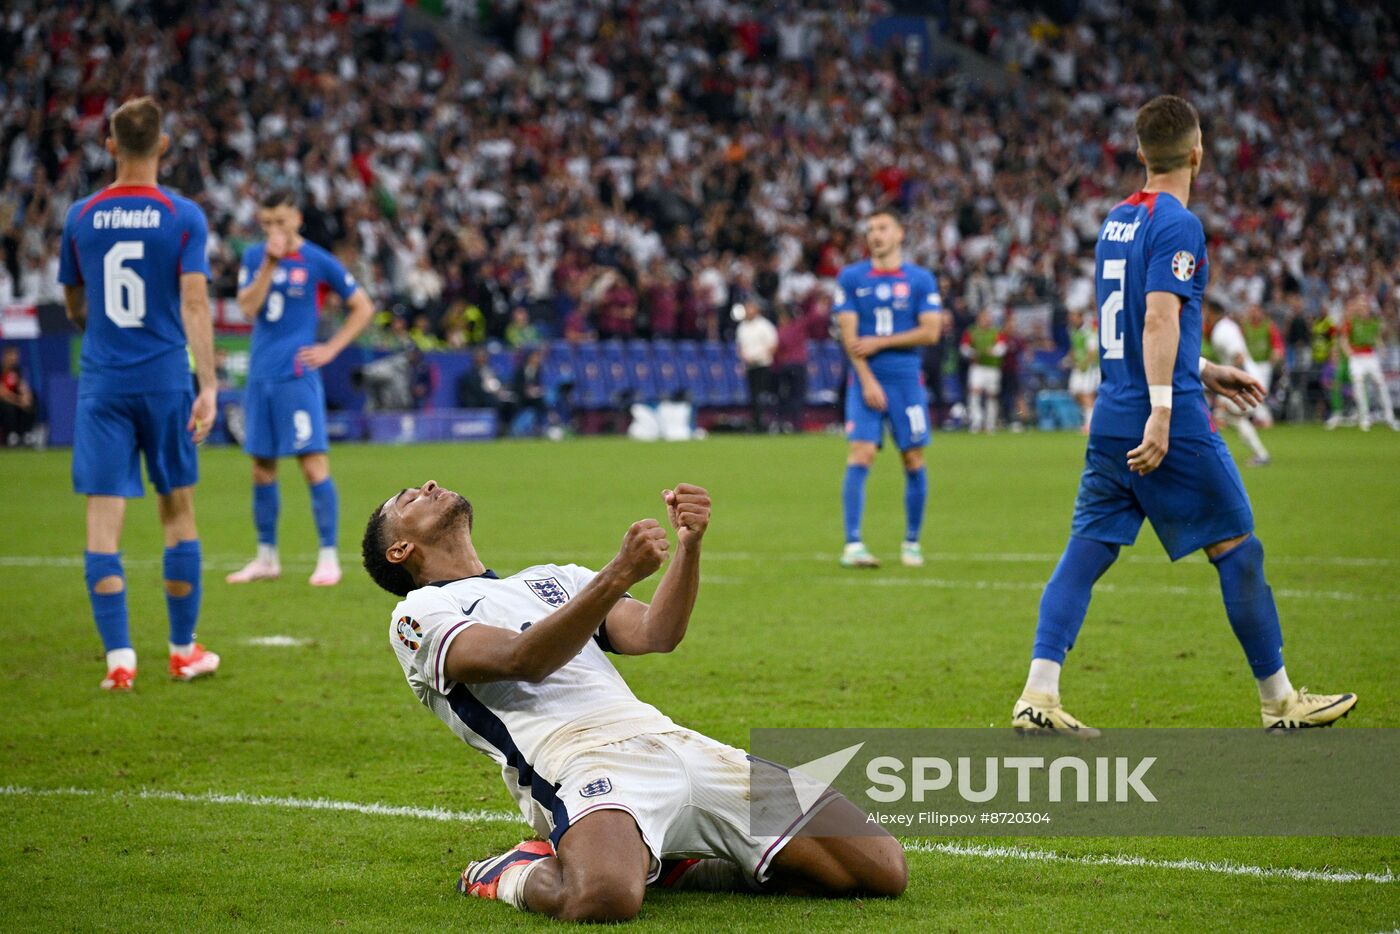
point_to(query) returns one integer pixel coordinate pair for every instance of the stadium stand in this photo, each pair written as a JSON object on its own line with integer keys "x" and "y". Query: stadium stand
{"x": 632, "y": 170}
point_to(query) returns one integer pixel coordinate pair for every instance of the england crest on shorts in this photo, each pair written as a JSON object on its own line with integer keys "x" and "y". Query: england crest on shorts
{"x": 550, "y": 591}
{"x": 599, "y": 786}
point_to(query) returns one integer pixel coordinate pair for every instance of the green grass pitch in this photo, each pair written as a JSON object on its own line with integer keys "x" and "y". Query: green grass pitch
{"x": 781, "y": 637}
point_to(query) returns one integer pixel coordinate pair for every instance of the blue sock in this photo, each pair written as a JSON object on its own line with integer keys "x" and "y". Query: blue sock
{"x": 108, "y": 609}
{"x": 325, "y": 506}
{"x": 1066, "y": 597}
{"x": 915, "y": 494}
{"x": 182, "y": 564}
{"x": 267, "y": 502}
{"x": 853, "y": 499}
{"x": 1249, "y": 603}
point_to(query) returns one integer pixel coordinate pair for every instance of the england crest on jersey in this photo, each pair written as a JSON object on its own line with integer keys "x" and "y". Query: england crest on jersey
{"x": 599, "y": 786}
{"x": 550, "y": 591}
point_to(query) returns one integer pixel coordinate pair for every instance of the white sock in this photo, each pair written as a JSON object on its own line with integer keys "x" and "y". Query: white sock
{"x": 328, "y": 555}
{"x": 267, "y": 553}
{"x": 974, "y": 406}
{"x": 1275, "y": 687}
{"x": 180, "y": 649}
{"x": 121, "y": 658}
{"x": 1044, "y": 677}
{"x": 993, "y": 411}
{"x": 511, "y": 884}
{"x": 1251, "y": 437}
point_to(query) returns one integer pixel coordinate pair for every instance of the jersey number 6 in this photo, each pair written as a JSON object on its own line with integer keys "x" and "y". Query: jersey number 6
{"x": 123, "y": 291}
{"x": 1110, "y": 329}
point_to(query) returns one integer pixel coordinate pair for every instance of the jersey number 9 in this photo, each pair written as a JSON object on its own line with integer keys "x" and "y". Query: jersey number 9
{"x": 123, "y": 291}
{"x": 276, "y": 302}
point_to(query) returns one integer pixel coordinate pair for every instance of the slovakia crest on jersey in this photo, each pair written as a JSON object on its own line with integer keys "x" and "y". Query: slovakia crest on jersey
{"x": 1183, "y": 265}
{"x": 550, "y": 591}
{"x": 298, "y": 276}
{"x": 901, "y": 290}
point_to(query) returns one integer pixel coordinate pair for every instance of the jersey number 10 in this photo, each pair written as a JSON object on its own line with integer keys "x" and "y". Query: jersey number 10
{"x": 123, "y": 291}
{"x": 1110, "y": 328}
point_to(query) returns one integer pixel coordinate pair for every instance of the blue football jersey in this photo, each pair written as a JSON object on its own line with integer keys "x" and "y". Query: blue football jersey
{"x": 128, "y": 246}
{"x": 286, "y": 322}
{"x": 1149, "y": 243}
{"x": 888, "y": 301}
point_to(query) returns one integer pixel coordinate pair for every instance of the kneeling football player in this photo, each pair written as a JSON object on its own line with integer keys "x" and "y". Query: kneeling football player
{"x": 620, "y": 795}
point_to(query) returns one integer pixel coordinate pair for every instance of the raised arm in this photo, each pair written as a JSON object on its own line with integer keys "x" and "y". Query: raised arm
{"x": 251, "y": 296}
{"x": 485, "y": 653}
{"x": 636, "y": 628}
{"x": 199, "y": 334}
{"x": 1160, "y": 336}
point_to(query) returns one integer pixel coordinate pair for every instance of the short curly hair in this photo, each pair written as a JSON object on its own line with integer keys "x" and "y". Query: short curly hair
{"x": 392, "y": 577}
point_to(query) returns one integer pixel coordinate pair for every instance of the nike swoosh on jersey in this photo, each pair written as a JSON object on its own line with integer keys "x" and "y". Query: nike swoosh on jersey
{"x": 468, "y": 610}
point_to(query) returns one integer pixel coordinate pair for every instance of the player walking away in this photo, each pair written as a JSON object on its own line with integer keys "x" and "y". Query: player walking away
{"x": 1227, "y": 344}
{"x": 1152, "y": 451}
{"x": 1264, "y": 343}
{"x": 1083, "y": 363}
{"x": 983, "y": 345}
{"x": 887, "y": 310}
{"x": 1362, "y": 344}
{"x": 280, "y": 287}
{"x": 517, "y": 669}
{"x": 136, "y": 283}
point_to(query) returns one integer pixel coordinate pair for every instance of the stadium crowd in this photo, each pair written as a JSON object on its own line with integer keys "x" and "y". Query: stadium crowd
{"x": 608, "y": 169}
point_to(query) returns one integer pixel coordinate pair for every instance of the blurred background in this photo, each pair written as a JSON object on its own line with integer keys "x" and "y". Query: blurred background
{"x": 562, "y": 210}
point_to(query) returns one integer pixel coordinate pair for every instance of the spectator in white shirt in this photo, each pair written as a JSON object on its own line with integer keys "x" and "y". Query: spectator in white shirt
{"x": 756, "y": 340}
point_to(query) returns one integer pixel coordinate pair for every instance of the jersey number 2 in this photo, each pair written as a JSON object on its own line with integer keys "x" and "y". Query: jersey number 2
{"x": 1110, "y": 328}
{"x": 123, "y": 291}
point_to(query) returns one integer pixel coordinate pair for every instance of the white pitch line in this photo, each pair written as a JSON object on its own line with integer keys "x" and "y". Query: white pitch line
{"x": 1219, "y": 867}
{"x": 940, "y": 583}
{"x": 236, "y": 561}
{"x": 280, "y": 642}
{"x": 864, "y": 579}
{"x": 310, "y": 804}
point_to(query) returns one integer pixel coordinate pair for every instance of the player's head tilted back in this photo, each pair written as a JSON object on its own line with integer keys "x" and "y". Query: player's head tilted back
{"x": 883, "y": 234}
{"x": 423, "y": 533}
{"x": 280, "y": 211}
{"x": 135, "y": 131}
{"x": 1169, "y": 136}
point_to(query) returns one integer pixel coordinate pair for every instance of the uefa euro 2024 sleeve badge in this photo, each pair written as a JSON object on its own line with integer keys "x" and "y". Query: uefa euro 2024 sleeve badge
{"x": 409, "y": 632}
{"x": 1183, "y": 265}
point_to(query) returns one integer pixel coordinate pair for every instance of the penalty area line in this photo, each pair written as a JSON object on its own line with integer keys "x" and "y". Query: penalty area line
{"x": 445, "y": 815}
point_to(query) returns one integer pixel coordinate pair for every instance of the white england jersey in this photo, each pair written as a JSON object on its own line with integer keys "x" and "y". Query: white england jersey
{"x": 530, "y": 730}
{"x": 1228, "y": 341}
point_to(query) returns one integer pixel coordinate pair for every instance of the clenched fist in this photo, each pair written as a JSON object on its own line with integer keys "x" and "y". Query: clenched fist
{"x": 644, "y": 549}
{"x": 688, "y": 508}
